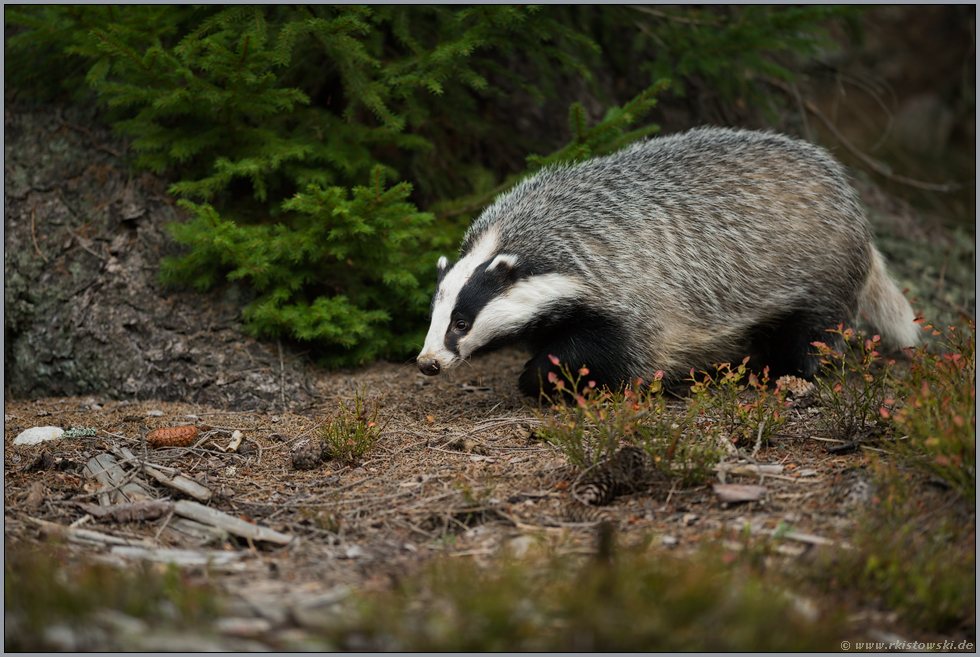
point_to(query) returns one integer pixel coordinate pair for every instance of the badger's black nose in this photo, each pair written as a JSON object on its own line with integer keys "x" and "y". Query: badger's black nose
{"x": 428, "y": 365}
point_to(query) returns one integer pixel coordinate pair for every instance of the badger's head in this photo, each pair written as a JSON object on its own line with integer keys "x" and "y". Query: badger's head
{"x": 486, "y": 300}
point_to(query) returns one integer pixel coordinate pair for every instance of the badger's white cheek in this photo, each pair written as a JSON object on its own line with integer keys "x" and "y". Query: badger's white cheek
{"x": 466, "y": 347}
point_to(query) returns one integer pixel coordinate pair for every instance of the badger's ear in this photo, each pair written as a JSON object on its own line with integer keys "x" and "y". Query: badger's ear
{"x": 442, "y": 266}
{"x": 504, "y": 264}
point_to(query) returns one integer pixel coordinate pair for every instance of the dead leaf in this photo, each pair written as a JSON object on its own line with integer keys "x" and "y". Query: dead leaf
{"x": 35, "y": 495}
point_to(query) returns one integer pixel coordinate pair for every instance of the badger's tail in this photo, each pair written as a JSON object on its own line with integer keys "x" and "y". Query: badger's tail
{"x": 886, "y": 307}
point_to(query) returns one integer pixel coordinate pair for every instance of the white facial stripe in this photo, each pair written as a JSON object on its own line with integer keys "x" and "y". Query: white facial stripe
{"x": 513, "y": 310}
{"x": 446, "y": 295}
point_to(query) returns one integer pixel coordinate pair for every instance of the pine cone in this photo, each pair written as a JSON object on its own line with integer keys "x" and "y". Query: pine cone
{"x": 626, "y": 471}
{"x": 307, "y": 453}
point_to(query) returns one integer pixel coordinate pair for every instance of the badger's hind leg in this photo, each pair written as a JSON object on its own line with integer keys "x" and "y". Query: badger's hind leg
{"x": 786, "y": 345}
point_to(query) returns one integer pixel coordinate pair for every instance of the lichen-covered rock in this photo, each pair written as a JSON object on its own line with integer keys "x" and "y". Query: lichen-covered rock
{"x": 37, "y": 435}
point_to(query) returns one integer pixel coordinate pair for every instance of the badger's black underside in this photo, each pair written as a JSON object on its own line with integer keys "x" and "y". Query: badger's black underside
{"x": 584, "y": 337}
{"x": 577, "y": 336}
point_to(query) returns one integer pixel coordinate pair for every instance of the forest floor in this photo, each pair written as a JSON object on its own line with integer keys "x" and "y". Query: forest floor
{"x": 456, "y": 474}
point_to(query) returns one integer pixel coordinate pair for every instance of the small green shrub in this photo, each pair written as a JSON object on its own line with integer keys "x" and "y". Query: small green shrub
{"x": 853, "y": 383}
{"x": 741, "y": 402}
{"x": 590, "y": 426}
{"x": 675, "y": 438}
{"x": 355, "y": 429}
{"x": 939, "y": 411}
{"x": 359, "y": 244}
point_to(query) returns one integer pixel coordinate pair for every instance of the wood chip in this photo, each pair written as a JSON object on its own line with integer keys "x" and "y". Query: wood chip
{"x": 190, "y": 533}
{"x": 175, "y": 480}
{"x": 739, "y": 492}
{"x": 35, "y": 495}
{"x": 755, "y": 469}
{"x": 109, "y": 474}
{"x": 236, "y": 441}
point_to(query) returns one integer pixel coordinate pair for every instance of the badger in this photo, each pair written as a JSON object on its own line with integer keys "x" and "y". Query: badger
{"x": 673, "y": 254}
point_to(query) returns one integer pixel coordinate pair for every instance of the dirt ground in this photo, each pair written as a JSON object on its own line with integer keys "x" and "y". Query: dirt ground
{"x": 418, "y": 494}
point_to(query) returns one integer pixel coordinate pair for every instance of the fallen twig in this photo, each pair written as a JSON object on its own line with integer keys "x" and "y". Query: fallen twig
{"x": 112, "y": 479}
{"x": 130, "y": 511}
{"x": 231, "y": 524}
{"x": 160, "y": 473}
{"x": 87, "y": 536}
{"x": 739, "y": 492}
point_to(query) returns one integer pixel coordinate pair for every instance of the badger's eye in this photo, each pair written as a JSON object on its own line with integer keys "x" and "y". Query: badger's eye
{"x": 461, "y": 326}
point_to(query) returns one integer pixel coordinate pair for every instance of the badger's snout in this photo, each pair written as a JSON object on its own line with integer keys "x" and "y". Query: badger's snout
{"x": 428, "y": 365}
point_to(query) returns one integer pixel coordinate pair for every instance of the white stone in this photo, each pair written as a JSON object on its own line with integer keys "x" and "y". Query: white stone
{"x": 36, "y": 435}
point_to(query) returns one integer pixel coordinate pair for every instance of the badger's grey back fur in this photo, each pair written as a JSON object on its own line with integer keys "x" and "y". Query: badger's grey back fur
{"x": 673, "y": 253}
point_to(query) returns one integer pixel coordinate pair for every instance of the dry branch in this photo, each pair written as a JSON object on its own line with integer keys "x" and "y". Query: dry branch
{"x": 231, "y": 524}
{"x": 129, "y": 512}
{"x": 179, "y": 557}
{"x": 84, "y": 536}
{"x": 176, "y": 480}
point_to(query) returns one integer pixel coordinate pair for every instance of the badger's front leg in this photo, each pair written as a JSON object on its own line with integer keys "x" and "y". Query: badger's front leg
{"x": 582, "y": 339}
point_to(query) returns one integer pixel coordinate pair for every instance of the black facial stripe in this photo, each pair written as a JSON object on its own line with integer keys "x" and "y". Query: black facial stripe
{"x": 478, "y": 291}
{"x": 481, "y": 288}
{"x": 452, "y": 342}
{"x": 485, "y": 284}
